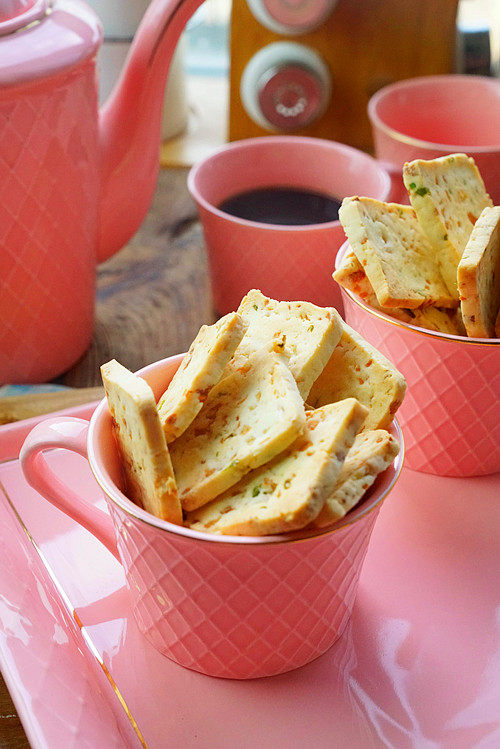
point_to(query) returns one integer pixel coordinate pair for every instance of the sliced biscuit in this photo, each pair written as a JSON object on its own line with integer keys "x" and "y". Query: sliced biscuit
{"x": 307, "y": 333}
{"x": 289, "y": 492}
{"x": 370, "y": 454}
{"x": 448, "y": 195}
{"x": 357, "y": 370}
{"x": 459, "y": 322}
{"x": 441, "y": 320}
{"x": 479, "y": 276}
{"x": 395, "y": 254}
{"x": 200, "y": 370}
{"x": 145, "y": 457}
{"x": 352, "y": 277}
{"x": 248, "y": 418}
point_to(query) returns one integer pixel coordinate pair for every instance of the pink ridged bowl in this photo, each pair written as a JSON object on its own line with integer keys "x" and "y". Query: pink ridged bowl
{"x": 228, "y": 606}
{"x": 451, "y": 412}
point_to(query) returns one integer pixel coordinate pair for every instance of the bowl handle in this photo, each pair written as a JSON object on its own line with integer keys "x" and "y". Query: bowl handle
{"x": 70, "y": 434}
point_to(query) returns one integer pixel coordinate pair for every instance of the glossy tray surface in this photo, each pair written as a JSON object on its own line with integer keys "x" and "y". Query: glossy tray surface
{"x": 418, "y": 666}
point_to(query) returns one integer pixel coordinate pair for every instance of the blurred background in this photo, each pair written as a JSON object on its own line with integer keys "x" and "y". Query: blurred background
{"x": 206, "y": 101}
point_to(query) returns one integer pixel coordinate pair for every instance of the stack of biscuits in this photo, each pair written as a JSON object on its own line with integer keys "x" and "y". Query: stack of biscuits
{"x": 434, "y": 264}
{"x": 276, "y": 420}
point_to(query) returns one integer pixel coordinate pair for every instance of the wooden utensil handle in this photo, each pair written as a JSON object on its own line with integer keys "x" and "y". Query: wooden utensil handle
{"x": 19, "y": 407}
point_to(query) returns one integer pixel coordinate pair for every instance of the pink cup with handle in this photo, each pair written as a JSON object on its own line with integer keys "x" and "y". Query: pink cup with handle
{"x": 451, "y": 412}
{"x": 424, "y": 118}
{"x": 285, "y": 262}
{"x": 228, "y": 606}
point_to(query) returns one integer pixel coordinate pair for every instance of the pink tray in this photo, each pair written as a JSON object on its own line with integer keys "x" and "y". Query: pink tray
{"x": 418, "y": 665}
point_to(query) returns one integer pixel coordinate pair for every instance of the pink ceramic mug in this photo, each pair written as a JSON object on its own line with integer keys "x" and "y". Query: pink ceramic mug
{"x": 451, "y": 412}
{"x": 285, "y": 262}
{"x": 424, "y": 118}
{"x": 236, "y": 607}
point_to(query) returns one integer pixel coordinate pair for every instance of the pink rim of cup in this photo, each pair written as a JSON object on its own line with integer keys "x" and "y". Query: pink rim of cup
{"x": 431, "y": 116}
{"x": 285, "y": 262}
{"x": 451, "y": 413}
{"x": 409, "y": 88}
{"x": 234, "y": 607}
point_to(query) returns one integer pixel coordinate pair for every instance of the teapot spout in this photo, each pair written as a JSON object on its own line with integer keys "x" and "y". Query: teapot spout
{"x": 130, "y": 125}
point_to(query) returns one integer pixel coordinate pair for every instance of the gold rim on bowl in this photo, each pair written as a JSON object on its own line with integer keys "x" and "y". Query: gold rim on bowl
{"x": 409, "y": 140}
{"x": 489, "y": 342}
{"x": 116, "y": 496}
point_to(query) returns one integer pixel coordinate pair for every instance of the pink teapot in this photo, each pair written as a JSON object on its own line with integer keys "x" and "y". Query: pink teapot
{"x": 75, "y": 183}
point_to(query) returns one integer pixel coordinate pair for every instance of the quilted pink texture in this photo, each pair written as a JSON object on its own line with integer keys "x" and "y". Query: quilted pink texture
{"x": 48, "y": 225}
{"x": 239, "y": 611}
{"x": 235, "y": 607}
{"x": 451, "y": 413}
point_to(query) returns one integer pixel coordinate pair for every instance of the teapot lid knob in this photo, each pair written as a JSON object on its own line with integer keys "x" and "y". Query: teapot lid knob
{"x": 16, "y": 14}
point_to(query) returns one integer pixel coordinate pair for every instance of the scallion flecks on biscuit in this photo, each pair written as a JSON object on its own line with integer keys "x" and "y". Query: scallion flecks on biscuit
{"x": 199, "y": 371}
{"x": 448, "y": 195}
{"x": 395, "y": 254}
{"x": 479, "y": 276}
{"x": 289, "y": 492}
{"x": 139, "y": 435}
{"x": 248, "y": 417}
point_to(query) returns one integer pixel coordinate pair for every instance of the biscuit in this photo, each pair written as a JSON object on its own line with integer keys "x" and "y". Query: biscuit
{"x": 199, "y": 371}
{"x": 432, "y": 318}
{"x": 248, "y": 417}
{"x": 289, "y": 492}
{"x": 139, "y": 435}
{"x": 395, "y": 254}
{"x": 459, "y": 322}
{"x": 448, "y": 195}
{"x": 306, "y": 332}
{"x": 357, "y": 370}
{"x": 369, "y": 455}
{"x": 351, "y": 276}
{"x": 479, "y": 276}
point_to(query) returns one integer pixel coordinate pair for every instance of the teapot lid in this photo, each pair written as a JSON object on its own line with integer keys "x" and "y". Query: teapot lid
{"x": 39, "y": 38}
{"x": 16, "y": 14}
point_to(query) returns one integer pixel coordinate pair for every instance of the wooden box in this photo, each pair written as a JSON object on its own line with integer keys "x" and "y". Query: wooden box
{"x": 366, "y": 44}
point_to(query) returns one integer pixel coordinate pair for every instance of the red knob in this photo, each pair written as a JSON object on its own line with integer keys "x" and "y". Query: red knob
{"x": 291, "y": 96}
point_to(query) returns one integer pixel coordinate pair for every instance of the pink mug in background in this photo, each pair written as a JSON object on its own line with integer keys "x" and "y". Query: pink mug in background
{"x": 229, "y": 606}
{"x": 424, "y": 118}
{"x": 284, "y": 262}
{"x": 451, "y": 412}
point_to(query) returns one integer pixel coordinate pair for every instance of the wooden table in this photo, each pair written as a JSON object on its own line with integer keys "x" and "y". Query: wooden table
{"x": 152, "y": 299}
